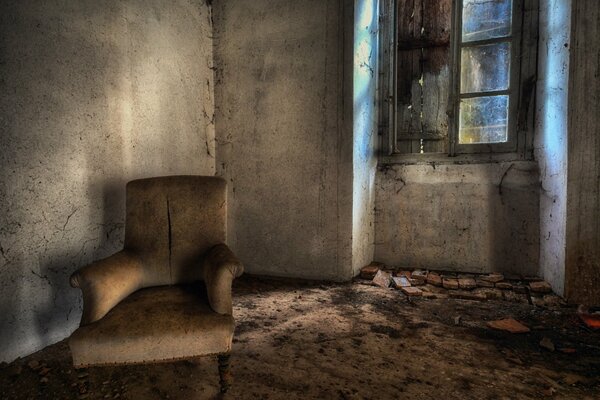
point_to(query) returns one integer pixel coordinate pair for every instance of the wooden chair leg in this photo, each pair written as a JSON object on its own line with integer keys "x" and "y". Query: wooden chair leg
{"x": 225, "y": 372}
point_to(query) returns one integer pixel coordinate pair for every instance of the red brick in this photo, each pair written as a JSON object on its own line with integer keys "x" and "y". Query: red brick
{"x": 493, "y": 277}
{"x": 482, "y": 283}
{"x": 467, "y": 283}
{"x": 434, "y": 279}
{"x": 369, "y": 271}
{"x": 382, "y": 279}
{"x": 450, "y": 283}
{"x": 510, "y": 325}
{"x": 540, "y": 287}
{"x": 412, "y": 291}
{"x": 504, "y": 285}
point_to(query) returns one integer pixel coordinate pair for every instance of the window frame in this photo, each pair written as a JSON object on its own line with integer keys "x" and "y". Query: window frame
{"x": 523, "y": 39}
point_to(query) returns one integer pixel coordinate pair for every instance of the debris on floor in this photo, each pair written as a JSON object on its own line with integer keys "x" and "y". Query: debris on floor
{"x": 360, "y": 340}
{"x": 369, "y": 271}
{"x": 411, "y": 291}
{"x": 547, "y": 344}
{"x": 382, "y": 279}
{"x": 463, "y": 286}
{"x": 401, "y": 281}
{"x": 591, "y": 318}
{"x": 510, "y": 325}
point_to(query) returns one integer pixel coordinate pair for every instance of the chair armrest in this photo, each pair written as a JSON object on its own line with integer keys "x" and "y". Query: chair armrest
{"x": 106, "y": 282}
{"x": 221, "y": 267}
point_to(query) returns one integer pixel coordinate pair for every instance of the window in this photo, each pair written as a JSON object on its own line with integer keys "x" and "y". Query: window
{"x": 458, "y": 78}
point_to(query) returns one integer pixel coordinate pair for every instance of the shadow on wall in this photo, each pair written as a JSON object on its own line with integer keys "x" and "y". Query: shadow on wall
{"x": 58, "y": 143}
{"x": 513, "y": 223}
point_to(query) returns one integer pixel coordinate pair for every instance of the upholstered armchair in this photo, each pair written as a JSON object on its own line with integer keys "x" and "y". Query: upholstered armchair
{"x": 167, "y": 294}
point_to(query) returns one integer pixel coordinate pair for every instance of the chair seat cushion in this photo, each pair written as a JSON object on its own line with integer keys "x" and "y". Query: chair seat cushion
{"x": 154, "y": 324}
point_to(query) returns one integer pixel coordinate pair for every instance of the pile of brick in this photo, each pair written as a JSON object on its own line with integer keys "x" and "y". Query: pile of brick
{"x": 467, "y": 286}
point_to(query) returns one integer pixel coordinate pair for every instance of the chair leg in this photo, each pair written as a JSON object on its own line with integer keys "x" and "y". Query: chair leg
{"x": 225, "y": 372}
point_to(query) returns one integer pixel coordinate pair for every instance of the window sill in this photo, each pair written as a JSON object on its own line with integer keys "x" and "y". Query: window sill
{"x": 445, "y": 159}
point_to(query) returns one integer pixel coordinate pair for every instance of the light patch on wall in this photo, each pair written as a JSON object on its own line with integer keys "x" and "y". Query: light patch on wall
{"x": 364, "y": 129}
{"x": 365, "y": 73}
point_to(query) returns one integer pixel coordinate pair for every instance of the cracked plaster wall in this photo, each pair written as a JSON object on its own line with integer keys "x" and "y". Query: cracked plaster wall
{"x": 93, "y": 94}
{"x": 471, "y": 218}
{"x": 551, "y": 137}
{"x": 284, "y": 142}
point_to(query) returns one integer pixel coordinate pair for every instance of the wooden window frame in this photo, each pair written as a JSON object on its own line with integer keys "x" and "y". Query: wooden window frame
{"x": 521, "y": 91}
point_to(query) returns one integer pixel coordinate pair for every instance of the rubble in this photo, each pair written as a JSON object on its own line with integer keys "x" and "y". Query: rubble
{"x": 412, "y": 291}
{"x": 546, "y": 343}
{"x": 493, "y": 278}
{"x": 467, "y": 283}
{"x": 34, "y": 365}
{"x": 540, "y": 287}
{"x": 401, "y": 281}
{"x": 420, "y": 275}
{"x": 434, "y": 279}
{"x": 504, "y": 285}
{"x": 589, "y": 318}
{"x": 509, "y": 325}
{"x": 483, "y": 283}
{"x": 491, "y": 286}
{"x": 369, "y": 271}
{"x": 450, "y": 283}
{"x": 467, "y": 296}
{"x": 382, "y": 279}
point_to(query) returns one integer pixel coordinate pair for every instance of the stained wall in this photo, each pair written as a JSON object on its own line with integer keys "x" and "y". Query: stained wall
{"x": 93, "y": 94}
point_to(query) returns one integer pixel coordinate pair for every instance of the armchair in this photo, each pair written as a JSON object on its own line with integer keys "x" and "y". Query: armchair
{"x": 145, "y": 304}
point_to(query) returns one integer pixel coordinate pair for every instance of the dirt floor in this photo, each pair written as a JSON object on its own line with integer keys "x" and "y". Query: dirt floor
{"x": 349, "y": 341}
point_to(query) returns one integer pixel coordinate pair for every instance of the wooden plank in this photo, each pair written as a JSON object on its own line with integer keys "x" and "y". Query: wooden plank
{"x": 423, "y": 74}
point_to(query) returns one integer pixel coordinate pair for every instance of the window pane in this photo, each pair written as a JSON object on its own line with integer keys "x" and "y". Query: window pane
{"x": 485, "y": 68}
{"x": 483, "y": 120}
{"x": 486, "y": 19}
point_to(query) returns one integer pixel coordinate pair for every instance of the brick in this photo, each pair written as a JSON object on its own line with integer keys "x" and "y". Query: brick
{"x": 416, "y": 282}
{"x": 504, "y": 285}
{"x": 552, "y": 300}
{"x": 412, "y": 291}
{"x": 369, "y": 271}
{"x": 482, "y": 283}
{"x": 467, "y": 296}
{"x": 450, "y": 283}
{"x": 540, "y": 287}
{"x": 509, "y": 325}
{"x": 382, "y": 279}
{"x": 490, "y": 293}
{"x": 494, "y": 277}
{"x": 515, "y": 297}
{"x": 401, "y": 281}
{"x": 404, "y": 273}
{"x": 519, "y": 288}
{"x": 434, "y": 279}
{"x": 419, "y": 274}
{"x": 467, "y": 283}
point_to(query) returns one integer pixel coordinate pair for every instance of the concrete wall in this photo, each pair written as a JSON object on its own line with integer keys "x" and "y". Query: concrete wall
{"x": 551, "y": 136}
{"x": 366, "y": 121}
{"x": 477, "y": 218}
{"x": 582, "y": 283}
{"x": 93, "y": 95}
{"x": 283, "y": 139}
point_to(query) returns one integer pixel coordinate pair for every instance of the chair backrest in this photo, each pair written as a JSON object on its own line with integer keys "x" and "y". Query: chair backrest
{"x": 171, "y": 222}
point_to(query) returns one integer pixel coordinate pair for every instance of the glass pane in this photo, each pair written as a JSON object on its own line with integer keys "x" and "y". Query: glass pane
{"x": 483, "y": 120}
{"x": 485, "y": 68}
{"x": 486, "y": 19}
